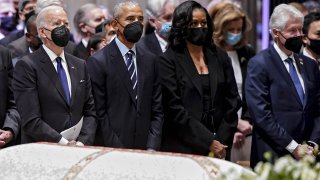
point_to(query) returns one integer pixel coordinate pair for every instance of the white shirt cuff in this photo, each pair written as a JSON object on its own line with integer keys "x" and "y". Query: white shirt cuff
{"x": 78, "y": 143}
{"x": 63, "y": 141}
{"x": 292, "y": 146}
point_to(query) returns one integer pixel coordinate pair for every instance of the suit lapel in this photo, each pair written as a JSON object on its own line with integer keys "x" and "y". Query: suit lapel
{"x": 73, "y": 77}
{"x": 48, "y": 68}
{"x": 142, "y": 73}
{"x": 284, "y": 72}
{"x": 190, "y": 69}
{"x": 121, "y": 69}
{"x": 211, "y": 59}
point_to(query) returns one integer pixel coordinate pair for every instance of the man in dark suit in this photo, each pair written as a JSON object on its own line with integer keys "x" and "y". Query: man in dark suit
{"x": 160, "y": 16}
{"x": 126, "y": 86}
{"x": 9, "y": 117}
{"x": 52, "y": 88}
{"x": 283, "y": 92}
{"x": 86, "y": 19}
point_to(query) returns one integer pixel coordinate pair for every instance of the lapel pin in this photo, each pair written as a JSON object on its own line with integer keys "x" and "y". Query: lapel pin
{"x": 301, "y": 61}
{"x": 243, "y": 60}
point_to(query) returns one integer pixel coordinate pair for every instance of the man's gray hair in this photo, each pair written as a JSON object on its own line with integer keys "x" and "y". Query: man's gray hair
{"x": 118, "y": 9}
{"x": 42, "y": 20}
{"x": 156, "y": 7}
{"x": 281, "y": 15}
{"x": 41, "y": 4}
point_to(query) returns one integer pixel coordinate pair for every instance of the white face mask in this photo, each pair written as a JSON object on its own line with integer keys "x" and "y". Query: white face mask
{"x": 233, "y": 39}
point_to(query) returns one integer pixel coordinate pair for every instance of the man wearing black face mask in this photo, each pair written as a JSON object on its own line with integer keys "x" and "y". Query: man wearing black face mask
{"x": 126, "y": 86}
{"x": 52, "y": 88}
{"x": 311, "y": 39}
{"x": 283, "y": 92}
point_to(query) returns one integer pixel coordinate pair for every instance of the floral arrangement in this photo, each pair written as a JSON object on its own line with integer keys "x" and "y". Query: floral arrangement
{"x": 284, "y": 168}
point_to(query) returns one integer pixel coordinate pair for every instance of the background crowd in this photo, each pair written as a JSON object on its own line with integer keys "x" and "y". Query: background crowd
{"x": 175, "y": 77}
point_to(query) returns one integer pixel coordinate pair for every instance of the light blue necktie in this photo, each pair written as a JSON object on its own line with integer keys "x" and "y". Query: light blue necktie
{"x": 63, "y": 79}
{"x": 294, "y": 76}
{"x": 132, "y": 71}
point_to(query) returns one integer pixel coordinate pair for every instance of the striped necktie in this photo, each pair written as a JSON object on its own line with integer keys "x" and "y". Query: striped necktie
{"x": 132, "y": 71}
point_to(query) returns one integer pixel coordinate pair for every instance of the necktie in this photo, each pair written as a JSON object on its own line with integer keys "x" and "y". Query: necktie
{"x": 63, "y": 79}
{"x": 294, "y": 76}
{"x": 132, "y": 70}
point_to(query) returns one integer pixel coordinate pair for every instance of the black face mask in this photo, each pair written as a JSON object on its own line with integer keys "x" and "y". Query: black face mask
{"x": 197, "y": 36}
{"x": 7, "y": 23}
{"x": 132, "y": 32}
{"x": 293, "y": 44}
{"x": 314, "y": 46}
{"x": 60, "y": 35}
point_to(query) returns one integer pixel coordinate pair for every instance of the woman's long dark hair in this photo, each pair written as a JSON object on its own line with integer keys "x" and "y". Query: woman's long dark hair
{"x": 182, "y": 19}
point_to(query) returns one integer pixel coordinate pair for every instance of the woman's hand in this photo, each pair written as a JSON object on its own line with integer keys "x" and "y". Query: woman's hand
{"x": 218, "y": 149}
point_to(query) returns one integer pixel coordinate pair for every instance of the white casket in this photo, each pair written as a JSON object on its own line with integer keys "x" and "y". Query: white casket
{"x": 50, "y": 161}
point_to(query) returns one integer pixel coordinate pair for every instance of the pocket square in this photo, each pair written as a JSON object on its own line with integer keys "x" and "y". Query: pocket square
{"x": 82, "y": 80}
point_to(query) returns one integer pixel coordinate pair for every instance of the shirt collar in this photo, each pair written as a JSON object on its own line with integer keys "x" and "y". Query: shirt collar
{"x": 123, "y": 48}
{"x": 52, "y": 55}
{"x": 84, "y": 42}
{"x": 305, "y": 52}
{"x": 282, "y": 55}
{"x": 163, "y": 43}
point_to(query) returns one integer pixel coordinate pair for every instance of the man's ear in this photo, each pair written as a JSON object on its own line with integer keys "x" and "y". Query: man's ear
{"x": 152, "y": 22}
{"x": 82, "y": 27}
{"x": 114, "y": 24}
{"x": 41, "y": 33}
{"x": 275, "y": 33}
{"x": 305, "y": 39}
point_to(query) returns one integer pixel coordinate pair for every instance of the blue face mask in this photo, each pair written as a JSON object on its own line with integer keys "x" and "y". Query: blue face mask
{"x": 165, "y": 29}
{"x": 233, "y": 39}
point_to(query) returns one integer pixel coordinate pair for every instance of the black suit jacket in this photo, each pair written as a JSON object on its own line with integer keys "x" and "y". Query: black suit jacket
{"x": 124, "y": 121}
{"x": 9, "y": 117}
{"x": 81, "y": 51}
{"x": 244, "y": 55}
{"x": 41, "y": 100}
{"x": 183, "y": 130}
{"x": 150, "y": 42}
{"x": 277, "y": 113}
{"x": 11, "y": 37}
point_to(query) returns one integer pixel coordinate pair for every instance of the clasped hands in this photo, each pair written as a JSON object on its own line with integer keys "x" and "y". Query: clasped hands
{"x": 301, "y": 150}
{"x": 5, "y": 137}
{"x": 218, "y": 149}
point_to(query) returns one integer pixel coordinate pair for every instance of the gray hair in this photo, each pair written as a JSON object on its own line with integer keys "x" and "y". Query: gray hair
{"x": 281, "y": 14}
{"x": 41, "y": 4}
{"x": 120, "y": 6}
{"x": 81, "y": 15}
{"x": 155, "y": 7}
{"x": 42, "y": 20}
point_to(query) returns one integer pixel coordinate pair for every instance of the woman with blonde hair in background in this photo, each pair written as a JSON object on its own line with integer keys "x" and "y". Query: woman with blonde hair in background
{"x": 230, "y": 27}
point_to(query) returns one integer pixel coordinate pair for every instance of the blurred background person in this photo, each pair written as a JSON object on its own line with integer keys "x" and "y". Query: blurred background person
{"x": 311, "y": 39}
{"x": 7, "y": 23}
{"x": 25, "y": 7}
{"x": 86, "y": 19}
{"x": 230, "y": 33}
{"x": 159, "y": 13}
{"x": 199, "y": 91}
{"x": 27, "y": 43}
{"x": 110, "y": 31}
{"x": 97, "y": 42}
